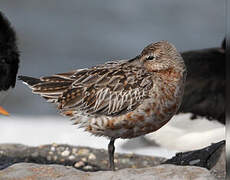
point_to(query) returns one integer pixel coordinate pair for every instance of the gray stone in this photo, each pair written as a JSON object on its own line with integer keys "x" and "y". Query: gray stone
{"x": 219, "y": 169}
{"x": 30, "y": 171}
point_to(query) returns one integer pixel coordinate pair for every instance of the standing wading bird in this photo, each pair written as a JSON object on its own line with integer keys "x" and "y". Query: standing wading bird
{"x": 9, "y": 58}
{"x": 119, "y": 99}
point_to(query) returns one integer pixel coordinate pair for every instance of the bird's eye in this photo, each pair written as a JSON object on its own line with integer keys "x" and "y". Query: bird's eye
{"x": 150, "y": 57}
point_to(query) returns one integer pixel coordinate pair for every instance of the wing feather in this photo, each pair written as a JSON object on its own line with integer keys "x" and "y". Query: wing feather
{"x": 110, "y": 89}
{"x": 117, "y": 90}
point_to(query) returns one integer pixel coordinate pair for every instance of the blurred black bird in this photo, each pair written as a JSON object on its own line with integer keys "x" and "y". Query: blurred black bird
{"x": 9, "y": 58}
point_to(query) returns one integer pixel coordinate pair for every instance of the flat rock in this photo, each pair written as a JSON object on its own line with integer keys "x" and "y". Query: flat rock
{"x": 31, "y": 163}
{"x": 219, "y": 169}
{"x": 30, "y": 171}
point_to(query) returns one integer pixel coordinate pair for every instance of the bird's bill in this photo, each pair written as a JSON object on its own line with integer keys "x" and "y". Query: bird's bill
{"x": 3, "y": 112}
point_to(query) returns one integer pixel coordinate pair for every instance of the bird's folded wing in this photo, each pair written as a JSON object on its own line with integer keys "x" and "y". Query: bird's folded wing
{"x": 109, "y": 90}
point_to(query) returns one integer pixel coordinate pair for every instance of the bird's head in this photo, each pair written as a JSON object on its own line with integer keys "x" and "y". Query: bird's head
{"x": 161, "y": 56}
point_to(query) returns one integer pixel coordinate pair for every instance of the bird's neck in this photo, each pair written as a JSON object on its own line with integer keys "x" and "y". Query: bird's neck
{"x": 171, "y": 74}
{"x": 170, "y": 82}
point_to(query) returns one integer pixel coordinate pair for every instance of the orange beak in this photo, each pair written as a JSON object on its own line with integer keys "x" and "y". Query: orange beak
{"x": 3, "y": 112}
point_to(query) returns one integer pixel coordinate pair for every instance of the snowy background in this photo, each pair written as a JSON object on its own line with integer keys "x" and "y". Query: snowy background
{"x": 57, "y": 36}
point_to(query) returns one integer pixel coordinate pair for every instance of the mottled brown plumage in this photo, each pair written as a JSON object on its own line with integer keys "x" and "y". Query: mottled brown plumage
{"x": 120, "y": 99}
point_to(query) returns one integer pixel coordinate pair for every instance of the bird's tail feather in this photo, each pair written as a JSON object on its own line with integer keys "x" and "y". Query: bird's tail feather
{"x": 30, "y": 81}
{"x": 48, "y": 87}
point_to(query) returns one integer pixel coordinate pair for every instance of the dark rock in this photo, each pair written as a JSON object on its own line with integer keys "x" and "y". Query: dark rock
{"x": 211, "y": 157}
{"x": 206, "y": 157}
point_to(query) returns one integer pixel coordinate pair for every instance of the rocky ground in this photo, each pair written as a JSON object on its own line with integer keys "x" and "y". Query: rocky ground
{"x": 28, "y": 171}
{"x": 52, "y": 162}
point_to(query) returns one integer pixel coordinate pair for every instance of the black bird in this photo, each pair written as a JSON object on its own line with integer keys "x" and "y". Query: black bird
{"x": 9, "y": 57}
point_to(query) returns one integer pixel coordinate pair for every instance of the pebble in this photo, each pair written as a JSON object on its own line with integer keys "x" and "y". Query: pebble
{"x": 50, "y": 153}
{"x": 79, "y": 164}
{"x": 84, "y": 159}
{"x": 125, "y": 161}
{"x": 145, "y": 163}
{"x": 2, "y": 152}
{"x": 104, "y": 162}
{"x": 71, "y": 157}
{"x": 92, "y": 156}
{"x": 83, "y": 152}
{"x": 134, "y": 166}
{"x": 88, "y": 167}
{"x": 60, "y": 149}
{"x": 35, "y": 154}
{"x": 74, "y": 151}
{"x": 54, "y": 145}
{"x": 55, "y": 158}
{"x": 130, "y": 155}
{"x": 53, "y": 148}
{"x": 49, "y": 158}
{"x": 65, "y": 153}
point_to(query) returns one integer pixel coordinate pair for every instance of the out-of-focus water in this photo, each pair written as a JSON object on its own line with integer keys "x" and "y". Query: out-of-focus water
{"x": 58, "y": 36}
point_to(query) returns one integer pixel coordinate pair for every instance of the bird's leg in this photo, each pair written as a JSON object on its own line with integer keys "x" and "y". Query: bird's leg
{"x": 111, "y": 150}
